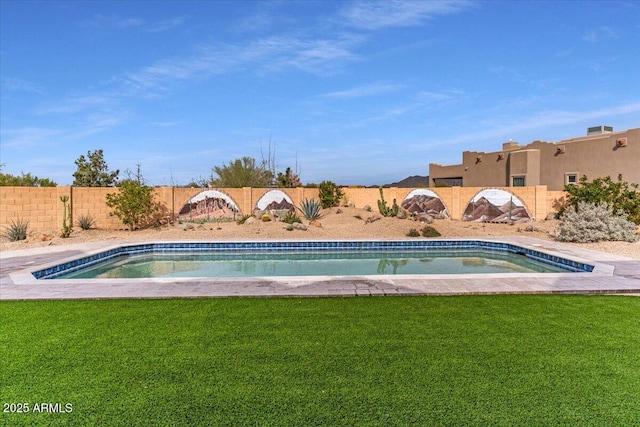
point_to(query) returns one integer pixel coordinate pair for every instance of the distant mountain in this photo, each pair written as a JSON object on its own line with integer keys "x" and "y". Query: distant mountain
{"x": 415, "y": 181}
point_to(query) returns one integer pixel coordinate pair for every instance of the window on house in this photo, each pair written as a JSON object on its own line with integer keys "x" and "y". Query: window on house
{"x": 571, "y": 178}
{"x": 517, "y": 181}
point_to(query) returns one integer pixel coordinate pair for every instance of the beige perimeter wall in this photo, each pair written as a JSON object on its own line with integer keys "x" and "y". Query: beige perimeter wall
{"x": 44, "y": 210}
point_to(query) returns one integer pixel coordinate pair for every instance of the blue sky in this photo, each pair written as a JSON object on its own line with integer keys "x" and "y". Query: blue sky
{"x": 359, "y": 93}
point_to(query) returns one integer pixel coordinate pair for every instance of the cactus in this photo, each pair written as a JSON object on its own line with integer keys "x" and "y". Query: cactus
{"x": 384, "y": 209}
{"x": 66, "y": 228}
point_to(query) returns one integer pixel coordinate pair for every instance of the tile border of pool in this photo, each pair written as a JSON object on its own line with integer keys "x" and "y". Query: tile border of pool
{"x": 54, "y": 272}
{"x": 603, "y": 279}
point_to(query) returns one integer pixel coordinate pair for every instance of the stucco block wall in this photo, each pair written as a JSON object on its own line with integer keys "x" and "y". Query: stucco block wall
{"x": 44, "y": 210}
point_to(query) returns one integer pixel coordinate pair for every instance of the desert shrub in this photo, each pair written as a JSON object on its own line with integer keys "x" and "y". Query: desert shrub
{"x": 330, "y": 194}
{"x": 134, "y": 204}
{"x": 594, "y": 223}
{"x": 310, "y": 209}
{"x": 623, "y": 197}
{"x": 86, "y": 222}
{"x": 265, "y": 218}
{"x": 413, "y": 233}
{"x": 429, "y": 231}
{"x": 16, "y": 230}
{"x": 291, "y": 217}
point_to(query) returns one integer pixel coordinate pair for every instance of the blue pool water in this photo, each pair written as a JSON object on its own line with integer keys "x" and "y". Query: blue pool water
{"x": 251, "y": 259}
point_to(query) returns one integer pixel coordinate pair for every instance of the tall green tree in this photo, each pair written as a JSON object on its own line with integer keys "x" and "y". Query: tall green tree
{"x": 288, "y": 179}
{"x": 242, "y": 172}
{"x": 93, "y": 171}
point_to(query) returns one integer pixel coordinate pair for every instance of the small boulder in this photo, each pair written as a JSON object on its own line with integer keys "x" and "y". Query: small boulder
{"x": 402, "y": 214}
{"x": 372, "y": 218}
{"x": 316, "y": 223}
{"x": 299, "y": 226}
{"x": 250, "y": 220}
{"x": 187, "y": 226}
{"x": 426, "y": 218}
{"x": 45, "y": 237}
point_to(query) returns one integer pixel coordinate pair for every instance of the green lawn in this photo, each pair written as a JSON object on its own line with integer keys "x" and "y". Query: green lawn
{"x": 477, "y": 360}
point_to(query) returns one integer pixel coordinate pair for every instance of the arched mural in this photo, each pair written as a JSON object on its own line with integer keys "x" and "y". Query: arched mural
{"x": 209, "y": 205}
{"x": 275, "y": 200}
{"x": 497, "y": 206}
{"x": 424, "y": 201}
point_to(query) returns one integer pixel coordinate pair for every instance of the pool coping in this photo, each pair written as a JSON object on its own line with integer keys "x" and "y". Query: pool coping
{"x": 611, "y": 274}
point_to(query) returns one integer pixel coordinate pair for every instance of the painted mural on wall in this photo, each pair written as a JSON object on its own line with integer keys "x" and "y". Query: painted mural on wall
{"x": 424, "y": 201}
{"x": 275, "y": 200}
{"x": 497, "y": 206}
{"x": 209, "y": 205}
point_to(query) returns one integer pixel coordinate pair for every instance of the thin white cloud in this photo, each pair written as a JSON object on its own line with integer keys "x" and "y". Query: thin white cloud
{"x": 119, "y": 23}
{"x": 317, "y": 56}
{"x": 156, "y": 27}
{"x": 373, "y": 15}
{"x": 40, "y": 137}
{"x": 76, "y": 104}
{"x": 541, "y": 120}
{"x": 11, "y": 84}
{"x": 363, "y": 91}
{"x": 28, "y": 137}
{"x": 600, "y": 34}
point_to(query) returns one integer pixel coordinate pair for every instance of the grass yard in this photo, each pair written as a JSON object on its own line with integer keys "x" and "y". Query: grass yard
{"x": 472, "y": 360}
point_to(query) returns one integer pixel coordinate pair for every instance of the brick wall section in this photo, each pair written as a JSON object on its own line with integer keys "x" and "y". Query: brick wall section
{"x": 44, "y": 210}
{"x": 34, "y": 204}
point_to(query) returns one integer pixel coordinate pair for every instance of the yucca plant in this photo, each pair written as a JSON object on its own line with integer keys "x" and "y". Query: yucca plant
{"x": 86, "y": 222}
{"x": 310, "y": 209}
{"x": 16, "y": 230}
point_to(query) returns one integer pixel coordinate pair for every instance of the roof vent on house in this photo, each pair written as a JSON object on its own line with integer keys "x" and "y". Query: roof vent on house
{"x": 598, "y": 130}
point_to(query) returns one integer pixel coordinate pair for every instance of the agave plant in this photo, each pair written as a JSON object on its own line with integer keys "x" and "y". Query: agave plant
{"x": 310, "y": 209}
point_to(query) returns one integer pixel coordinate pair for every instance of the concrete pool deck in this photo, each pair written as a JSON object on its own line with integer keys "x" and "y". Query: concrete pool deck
{"x": 612, "y": 274}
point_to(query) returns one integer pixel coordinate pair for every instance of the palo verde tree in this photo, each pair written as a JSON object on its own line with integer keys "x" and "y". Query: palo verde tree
{"x": 242, "y": 172}
{"x": 93, "y": 171}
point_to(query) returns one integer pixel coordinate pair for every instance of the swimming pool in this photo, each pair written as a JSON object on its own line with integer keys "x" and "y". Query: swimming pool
{"x": 247, "y": 259}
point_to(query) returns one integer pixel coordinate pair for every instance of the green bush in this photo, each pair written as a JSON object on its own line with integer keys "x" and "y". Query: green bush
{"x": 310, "y": 209}
{"x": 16, "y": 230}
{"x": 623, "y": 197}
{"x": 594, "y": 223}
{"x": 134, "y": 204}
{"x": 429, "y": 231}
{"x": 330, "y": 194}
{"x": 413, "y": 233}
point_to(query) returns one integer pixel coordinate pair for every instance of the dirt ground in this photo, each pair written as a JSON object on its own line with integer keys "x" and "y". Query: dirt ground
{"x": 336, "y": 223}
